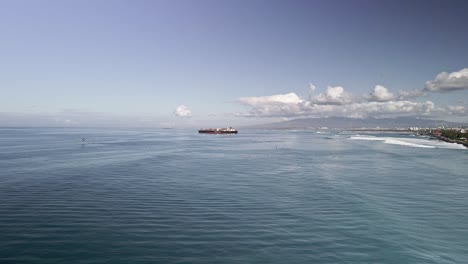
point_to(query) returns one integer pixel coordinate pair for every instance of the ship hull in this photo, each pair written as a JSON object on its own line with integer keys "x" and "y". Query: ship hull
{"x": 216, "y": 132}
{"x": 229, "y": 130}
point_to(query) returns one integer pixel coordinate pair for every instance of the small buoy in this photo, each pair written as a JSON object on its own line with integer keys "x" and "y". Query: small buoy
{"x": 83, "y": 139}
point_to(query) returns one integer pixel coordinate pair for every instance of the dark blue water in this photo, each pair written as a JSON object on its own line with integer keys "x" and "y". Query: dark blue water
{"x": 174, "y": 196}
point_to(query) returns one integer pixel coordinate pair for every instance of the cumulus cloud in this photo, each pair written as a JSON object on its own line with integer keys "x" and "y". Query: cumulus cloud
{"x": 446, "y": 82}
{"x": 333, "y": 96}
{"x": 335, "y": 101}
{"x": 380, "y": 102}
{"x": 355, "y": 110}
{"x": 380, "y": 94}
{"x": 182, "y": 111}
{"x": 281, "y": 104}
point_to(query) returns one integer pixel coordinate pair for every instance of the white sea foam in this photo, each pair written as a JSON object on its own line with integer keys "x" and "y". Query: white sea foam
{"x": 322, "y": 132}
{"x": 411, "y": 142}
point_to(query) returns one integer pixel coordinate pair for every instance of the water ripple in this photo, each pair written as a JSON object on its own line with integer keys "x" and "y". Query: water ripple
{"x": 157, "y": 197}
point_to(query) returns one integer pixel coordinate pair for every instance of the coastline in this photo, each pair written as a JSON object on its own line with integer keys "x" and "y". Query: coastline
{"x": 448, "y": 140}
{"x": 439, "y": 137}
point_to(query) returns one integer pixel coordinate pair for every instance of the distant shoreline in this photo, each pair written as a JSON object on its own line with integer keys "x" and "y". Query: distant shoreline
{"x": 448, "y": 140}
{"x": 441, "y": 138}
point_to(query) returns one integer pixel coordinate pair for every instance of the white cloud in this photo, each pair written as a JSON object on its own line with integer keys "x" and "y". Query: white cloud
{"x": 311, "y": 88}
{"x": 355, "y": 110}
{"x": 408, "y": 94}
{"x": 335, "y": 101}
{"x": 456, "y": 110}
{"x": 380, "y": 94}
{"x": 389, "y": 109}
{"x": 183, "y": 111}
{"x": 332, "y": 96}
{"x": 445, "y": 82}
{"x": 290, "y": 98}
{"x": 283, "y": 105}
{"x": 380, "y": 102}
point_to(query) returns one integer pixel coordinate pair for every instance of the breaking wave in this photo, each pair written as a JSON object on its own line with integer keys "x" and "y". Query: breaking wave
{"x": 411, "y": 142}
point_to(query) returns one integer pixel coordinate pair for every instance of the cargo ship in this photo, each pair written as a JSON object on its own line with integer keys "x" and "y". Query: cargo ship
{"x": 229, "y": 130}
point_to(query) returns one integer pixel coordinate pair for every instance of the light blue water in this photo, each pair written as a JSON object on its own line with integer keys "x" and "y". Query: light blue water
{"x": 174, "y": 196}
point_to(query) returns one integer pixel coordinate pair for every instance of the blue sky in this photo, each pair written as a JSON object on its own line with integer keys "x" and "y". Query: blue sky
{"x": 88, "y": 63}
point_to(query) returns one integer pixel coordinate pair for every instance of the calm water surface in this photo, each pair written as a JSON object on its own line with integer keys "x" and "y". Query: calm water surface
{"x": 174, "y": 196}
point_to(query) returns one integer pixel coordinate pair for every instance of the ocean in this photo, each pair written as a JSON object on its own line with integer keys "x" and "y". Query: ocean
{"x": 176, "y": 196}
